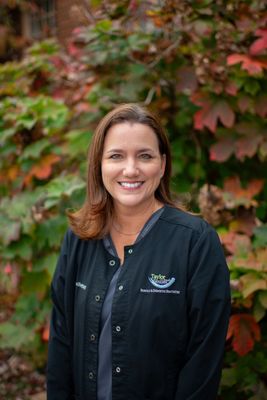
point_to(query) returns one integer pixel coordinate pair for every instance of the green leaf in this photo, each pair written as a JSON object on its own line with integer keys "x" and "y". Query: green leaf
{"x": 26, "y": 309}
{"x": 48, "y": 46}
{"x": 63, "y": 186}
{"x": 252, "y": 87}
{"x": 251, "y": 283}
{"x": 9, "y": 230}
{"x": 26, "y": 121}
{"x": 229, "y": 377}
{"x": 104, "y": 25}
{"x": 263, "y": 298}
{"x": 15, "y": 335}
{"x": 260, "y": 239}
{"x": 258, "y": 311}
{"x": 35, "y": 282}
{"x": 138, "y": 70}
{"x": 21, "y": 249}
{"x": 50, "y": 232}
{"x": 77, "y": 142}
{"x": 46, "y": 263}
{"x": 6, "y": 134}
{"x": 34, "y": 150}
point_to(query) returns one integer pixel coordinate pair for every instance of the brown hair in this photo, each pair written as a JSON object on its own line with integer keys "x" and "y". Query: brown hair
{"x": 93, "y": 220}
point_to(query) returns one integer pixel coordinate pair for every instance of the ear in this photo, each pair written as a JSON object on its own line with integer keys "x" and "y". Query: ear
{"x": 163, "y": 164}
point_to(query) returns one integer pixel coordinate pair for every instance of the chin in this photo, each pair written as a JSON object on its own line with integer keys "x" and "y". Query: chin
{"x": 132, "y": 202}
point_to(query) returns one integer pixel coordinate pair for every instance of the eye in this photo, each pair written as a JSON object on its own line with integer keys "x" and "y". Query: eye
{"x": 146, "y": 156}
{"x": 116, "y": 156}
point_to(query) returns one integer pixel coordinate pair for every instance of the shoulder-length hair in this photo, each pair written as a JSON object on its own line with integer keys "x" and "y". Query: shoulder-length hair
{"x": 93, "y": 220}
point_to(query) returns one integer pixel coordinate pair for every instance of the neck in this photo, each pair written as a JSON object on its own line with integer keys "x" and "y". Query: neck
{"x": 128, "y": 221}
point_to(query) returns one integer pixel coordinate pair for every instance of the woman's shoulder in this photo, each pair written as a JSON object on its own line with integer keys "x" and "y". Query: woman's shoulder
{"x": 186, "y": 219}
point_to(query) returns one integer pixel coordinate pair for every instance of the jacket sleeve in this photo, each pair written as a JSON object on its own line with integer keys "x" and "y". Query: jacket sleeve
{"x": 208, "y": 302}
{"x": 59, "y": 368}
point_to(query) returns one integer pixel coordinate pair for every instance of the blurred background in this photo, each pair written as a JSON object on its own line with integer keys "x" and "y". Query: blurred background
{"x": 201, "y": 66}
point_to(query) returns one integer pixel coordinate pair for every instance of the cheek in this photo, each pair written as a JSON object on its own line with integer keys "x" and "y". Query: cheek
{"x": 108, "y": 172}
{"x": 155, "y": 171}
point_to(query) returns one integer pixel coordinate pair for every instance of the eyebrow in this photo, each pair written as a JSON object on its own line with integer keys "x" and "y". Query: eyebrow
{"x": 139, "y": 151}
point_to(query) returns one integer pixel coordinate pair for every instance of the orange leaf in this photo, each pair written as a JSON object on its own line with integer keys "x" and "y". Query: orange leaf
{"x": 243, "y": 196}
{"x": 252, "y": 66}
{"x": 244, "y": 331}
{"x": 45, "y": 333}
{"x": 43, "y": 169}
{"x": 12, "y": 173}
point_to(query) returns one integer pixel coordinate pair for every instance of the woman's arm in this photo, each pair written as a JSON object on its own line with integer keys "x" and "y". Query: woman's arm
{"x": 208, "y": 301}
{"x": 59, "y": 368}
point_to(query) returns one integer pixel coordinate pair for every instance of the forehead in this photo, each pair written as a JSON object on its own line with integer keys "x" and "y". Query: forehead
{"x": 128, "y": 134}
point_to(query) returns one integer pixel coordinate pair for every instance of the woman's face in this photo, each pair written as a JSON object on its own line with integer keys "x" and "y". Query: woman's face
{"x": 132, "y": 165}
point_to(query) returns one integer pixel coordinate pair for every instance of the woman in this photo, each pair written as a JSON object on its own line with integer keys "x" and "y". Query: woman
{"x": 141, "y": 290}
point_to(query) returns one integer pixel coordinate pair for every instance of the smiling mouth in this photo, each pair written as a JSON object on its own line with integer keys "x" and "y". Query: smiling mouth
{"x": 131, "y": 185}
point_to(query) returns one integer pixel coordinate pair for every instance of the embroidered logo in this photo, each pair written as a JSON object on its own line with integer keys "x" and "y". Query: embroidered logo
{"x": 160, "y": 281}
{"x": 80, "y": 285}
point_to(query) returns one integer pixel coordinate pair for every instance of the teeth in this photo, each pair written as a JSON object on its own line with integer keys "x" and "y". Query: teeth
{"x": 131, "y": 185}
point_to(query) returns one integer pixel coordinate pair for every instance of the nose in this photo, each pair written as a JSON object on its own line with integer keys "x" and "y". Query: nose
{"x": 130, "y": 168}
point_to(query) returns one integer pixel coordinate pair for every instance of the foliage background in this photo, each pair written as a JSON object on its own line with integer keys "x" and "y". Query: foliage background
{"x": 200, "y": 65}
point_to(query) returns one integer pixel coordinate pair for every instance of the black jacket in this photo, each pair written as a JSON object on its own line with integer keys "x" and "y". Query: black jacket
{"x": 172, "y": 304}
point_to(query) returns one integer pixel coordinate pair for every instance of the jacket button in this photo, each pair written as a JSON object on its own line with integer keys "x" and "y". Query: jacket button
{"x": 130, "y": 251}
{"x": 97, "y": 297}
{"x": 120, "y": 287}
{"x": 112, "y": 262}
{"x": 118, "y": 370}
{"x": 92, "y": 337}
{"x": 91, "y": 375}
{"x": 118, "y": 328}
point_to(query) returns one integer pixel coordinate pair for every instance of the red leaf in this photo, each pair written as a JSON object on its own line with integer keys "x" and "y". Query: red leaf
{"x": 82, "y": 107}
{"x": 261, "y": 105}
{"x": 244, "y": 331}
{"x": 260, "y": 44}
{"x": 133, "y": 5}
{"x": 210, "y": 114}
{"x": 73, "y": 50}
{"x": 252, "y": 66}
{"x": 231, "y": 89}
{"x": 225, "y": 113}
{"x": 57, "y": 61}
{"x": 222, "y": 150}
{"x": 235, "y": 242}
{"x": 8, "y": 269}
{"x": 77, "y": 31}
{"x": 244, "y": 103}
{"x": 204, "y": 118}
{"x": 247, "y": 146}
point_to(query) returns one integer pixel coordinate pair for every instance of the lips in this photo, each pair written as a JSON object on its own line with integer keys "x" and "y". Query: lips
{"x": 131, "y": 185}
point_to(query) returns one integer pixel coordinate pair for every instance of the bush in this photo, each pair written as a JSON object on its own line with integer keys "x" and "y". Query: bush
{"x": 202, "y": 67}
